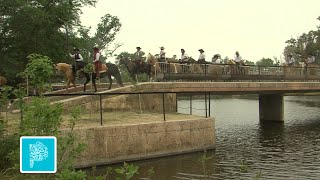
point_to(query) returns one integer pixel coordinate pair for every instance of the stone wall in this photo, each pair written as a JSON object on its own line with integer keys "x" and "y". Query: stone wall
{"x": 111, "y": 144}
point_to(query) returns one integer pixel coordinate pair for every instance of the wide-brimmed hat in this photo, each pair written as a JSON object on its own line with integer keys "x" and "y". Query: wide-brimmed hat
{"x": 201, "y": 50}
{"x": 76, "y": 49}
{"x": 161, "y": 47}
{"x": 138, "y": 47}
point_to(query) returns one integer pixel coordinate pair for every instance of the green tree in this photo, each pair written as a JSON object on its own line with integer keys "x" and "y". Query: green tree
{"x": 304, "y": 45}
{"x": 48, "y": 27}
{"x": 38, "y": 71}
{"x": 35, "y": 27}
{"x": 265, "y": 62}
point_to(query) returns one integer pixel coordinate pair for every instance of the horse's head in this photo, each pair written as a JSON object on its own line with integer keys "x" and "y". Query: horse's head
{"x": 123, "y": 60}
{"x": 151, "y": 59}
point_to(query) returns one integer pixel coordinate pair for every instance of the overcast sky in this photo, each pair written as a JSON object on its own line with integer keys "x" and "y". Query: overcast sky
{"x": 255, "y": 28}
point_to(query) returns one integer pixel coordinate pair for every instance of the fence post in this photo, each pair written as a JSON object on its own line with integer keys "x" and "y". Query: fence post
{"x": 163, "y": 108}
{"x": 100, "y": 109}
{"x": 176, "y": 102}
{"x": 205, "y": 101}
{"x": 209, "y": 105}
{"x": 190, "y": 103}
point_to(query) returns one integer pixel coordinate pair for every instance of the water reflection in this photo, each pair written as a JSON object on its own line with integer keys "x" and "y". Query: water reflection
{"x": 247, "y": 148}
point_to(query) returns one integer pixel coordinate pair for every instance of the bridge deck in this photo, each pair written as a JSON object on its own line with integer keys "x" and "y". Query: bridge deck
{"x": 220, "y": 87}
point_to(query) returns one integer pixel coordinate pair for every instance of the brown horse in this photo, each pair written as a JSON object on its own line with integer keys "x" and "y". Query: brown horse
{"x": 235, "y": 68}
{"x": 134, "y": 67}
{"x": 109, "y": 69}
{"x": 66, "y": 70}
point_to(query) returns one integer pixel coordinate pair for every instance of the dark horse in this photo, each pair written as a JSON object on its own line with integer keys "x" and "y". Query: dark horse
{"x": 109, "y": 70}
{"x": 135, "y": 68}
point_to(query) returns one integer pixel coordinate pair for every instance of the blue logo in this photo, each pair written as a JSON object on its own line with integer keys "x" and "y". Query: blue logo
{"x": 38, "y": 154}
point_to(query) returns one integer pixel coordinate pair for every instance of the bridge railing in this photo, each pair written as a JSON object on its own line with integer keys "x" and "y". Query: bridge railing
{"x": 220, "y": 72}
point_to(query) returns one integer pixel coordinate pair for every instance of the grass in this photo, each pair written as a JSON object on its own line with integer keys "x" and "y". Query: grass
{"x": 109, "y": 119}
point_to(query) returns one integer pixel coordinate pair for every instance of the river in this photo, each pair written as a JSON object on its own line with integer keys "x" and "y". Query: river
{"x": 246, "y": 148}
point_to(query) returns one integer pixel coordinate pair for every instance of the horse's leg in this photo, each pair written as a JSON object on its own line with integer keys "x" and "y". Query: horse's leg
{"x": 118, "y": 79}
{"x": 68, "y": 85}
{"x": 85, "y": 83}
{"x": 110, "y": 81}
{"x": 94, "y": 81}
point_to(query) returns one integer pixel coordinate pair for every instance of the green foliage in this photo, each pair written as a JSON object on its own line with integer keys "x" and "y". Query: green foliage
{"x": 107, "y": 30}
{"x": 67, "y": 174}
{"x": 68, "y": 146}
{"x": 41, "y": 118}
{"x": 265, "y": 62}
{"x": 127, "y": 171}
{"x": 39, "y": 70}
{"x": 4, "y": 96}
{"x": 304, "y": 45}
{"x": 89, "y": 68}
{"x": 8, "y": 143}
{"x": 49, "y": 28}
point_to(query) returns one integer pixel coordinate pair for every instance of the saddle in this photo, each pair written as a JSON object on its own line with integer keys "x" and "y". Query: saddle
{"x": 103, "y": 68}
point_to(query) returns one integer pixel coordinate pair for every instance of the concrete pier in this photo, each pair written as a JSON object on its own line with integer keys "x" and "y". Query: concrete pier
{"x": 112, "y": 144}
{"x": 271, "y": 107}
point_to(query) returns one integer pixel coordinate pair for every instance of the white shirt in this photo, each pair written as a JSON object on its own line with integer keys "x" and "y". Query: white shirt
{"x": 97, "y": 57}
{"x": 237, "y": 58}
{"x": 290, "y": 60}
{"x": 311, "y": 59}
{"x": 162, "y": 54}
{"x": 202, "y": 56}
{"x": 216, "y": 60}
{"x": 73, "y": 56}
{"x": 184, "y": 56}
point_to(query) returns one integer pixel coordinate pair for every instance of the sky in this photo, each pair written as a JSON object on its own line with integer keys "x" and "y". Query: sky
{"x": 255, "y": 28}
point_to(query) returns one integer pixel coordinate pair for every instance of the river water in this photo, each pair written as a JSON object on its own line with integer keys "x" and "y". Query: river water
{"x": 246, "y": 148}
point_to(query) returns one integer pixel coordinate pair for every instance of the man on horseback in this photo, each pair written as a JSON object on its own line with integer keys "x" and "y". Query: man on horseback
{"x": 290, "y": 60}
{"x": 202, "y": 57}
{"x": 138, "y": 58}
{"x": 162, "y": 55}
{"x": 184, "y": 57}
{"x": 78, "y": 64}
{"x": 97, "y": 61}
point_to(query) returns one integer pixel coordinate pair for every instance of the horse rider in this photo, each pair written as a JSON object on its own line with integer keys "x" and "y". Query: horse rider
{"x": 138, "y": 57}
{"x": 310, "y": 60}
{"x": 237, "y": 58}
{"x": 184, "y": 57}
{"x": 162, "y": 55}
{"x": 96, "y": 60}
{"x": 202, "y": 57}
{"x": 79, "y": 64}
{"x": 216, "y": 59}
{"x": 290, "y": 60}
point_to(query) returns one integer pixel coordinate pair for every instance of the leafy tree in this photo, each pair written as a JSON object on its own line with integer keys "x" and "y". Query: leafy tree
{"x": 50, "y": 28}
{"x": 249, "y": 62}
{"x": 304, "y": 45}
{"x": 265, "y": 62}
{"x": 38, "y": 71}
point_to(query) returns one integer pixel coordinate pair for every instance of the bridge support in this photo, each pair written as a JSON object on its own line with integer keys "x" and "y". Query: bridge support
{"x": 271, "y": 107}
